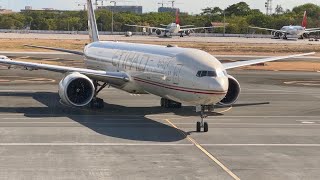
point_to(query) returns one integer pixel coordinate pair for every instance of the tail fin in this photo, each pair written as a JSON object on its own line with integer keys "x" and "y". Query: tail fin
{"x": 177, "y": 17}
{"x": 304, "y": 21}
{"x": 92, "y": 23}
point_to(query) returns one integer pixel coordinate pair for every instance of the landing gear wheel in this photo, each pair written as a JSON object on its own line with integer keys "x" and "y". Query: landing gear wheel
{"x": 162, "y": 102}
{"x": 205, "y": 127}
{"x": 198, "y": 127}
{"x": 203, "y": 115}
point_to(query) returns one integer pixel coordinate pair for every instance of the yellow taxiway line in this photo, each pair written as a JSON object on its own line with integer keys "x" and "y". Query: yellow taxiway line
{"x": 195, "y": 143}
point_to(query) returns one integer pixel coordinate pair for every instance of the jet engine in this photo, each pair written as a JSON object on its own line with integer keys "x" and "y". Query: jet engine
{"x": 278, "y": 34}
{"x": 187, "y": 32}
{"x": 305, "y": 36}
{"x": 233, "y": 92}
{"x": 158, "y": 32}
{"x": 76, "y": 89}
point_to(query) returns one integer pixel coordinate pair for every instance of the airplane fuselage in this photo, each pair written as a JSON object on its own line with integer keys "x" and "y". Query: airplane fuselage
{"x": 293, "y": 30}
{"x": 173, "y": 28}
{"x": 168, "y": 72}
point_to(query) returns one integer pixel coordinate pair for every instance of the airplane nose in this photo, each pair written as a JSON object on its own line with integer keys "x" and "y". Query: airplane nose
{"x": 220, "y": 84}
{"x": 224, "y": 83}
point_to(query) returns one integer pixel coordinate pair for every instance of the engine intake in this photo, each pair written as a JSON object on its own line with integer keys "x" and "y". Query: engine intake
{"x": 158, "y": 32}
{"x": 233, "y": 92}
{"x": 76, "y": 89}
{"x": 305, "y": 36}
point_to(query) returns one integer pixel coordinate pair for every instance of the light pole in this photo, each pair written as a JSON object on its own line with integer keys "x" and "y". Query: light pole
{"x": 224, "y": 23}
{"x": 112, "y": 9}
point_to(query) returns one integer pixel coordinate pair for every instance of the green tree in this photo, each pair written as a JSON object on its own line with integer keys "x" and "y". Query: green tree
{"x": 238, "y": 9}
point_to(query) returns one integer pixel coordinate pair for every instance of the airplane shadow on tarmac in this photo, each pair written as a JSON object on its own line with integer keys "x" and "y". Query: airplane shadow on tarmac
{"x": 114, "y": 120}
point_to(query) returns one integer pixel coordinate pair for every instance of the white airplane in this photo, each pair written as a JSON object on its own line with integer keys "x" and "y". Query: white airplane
{"x": 177, "y": 75}
{"x": 171, "y": 28}
{"x": 300, "y": 32}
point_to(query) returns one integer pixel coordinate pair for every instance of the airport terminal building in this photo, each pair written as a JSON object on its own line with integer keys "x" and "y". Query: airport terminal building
{"x": 132, "y": 9}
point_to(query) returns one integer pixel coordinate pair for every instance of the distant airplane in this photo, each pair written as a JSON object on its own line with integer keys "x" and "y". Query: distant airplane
{"x": 300, "y": 32}
{"x": 177, "y": 75}
{"x": 171, "y": 28}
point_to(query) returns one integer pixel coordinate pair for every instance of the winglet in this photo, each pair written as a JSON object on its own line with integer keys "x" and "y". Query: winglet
{"x": 92, "y": 23}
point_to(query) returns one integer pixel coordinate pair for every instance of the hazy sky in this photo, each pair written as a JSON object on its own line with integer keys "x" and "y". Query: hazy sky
{"x": 191, "y": 6}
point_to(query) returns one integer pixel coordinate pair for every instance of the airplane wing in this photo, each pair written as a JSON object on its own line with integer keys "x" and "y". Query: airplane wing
{"x": 148, "y": 27}
{"x": 191, "y": 29}
{"x": 257, "y": 61}
{"x": 57, "y": 49}
{"x": 110, "y": 77}
{"x": 312, "y": 31}
{"x": 267, "y": 29}
{"x": 186, "y": 26}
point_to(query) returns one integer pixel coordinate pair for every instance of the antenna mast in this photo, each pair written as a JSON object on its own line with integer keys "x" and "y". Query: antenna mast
{"x": 268, "y": 6}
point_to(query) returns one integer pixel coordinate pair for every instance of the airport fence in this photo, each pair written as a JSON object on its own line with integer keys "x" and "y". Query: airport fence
{"x": 134, "y": 33}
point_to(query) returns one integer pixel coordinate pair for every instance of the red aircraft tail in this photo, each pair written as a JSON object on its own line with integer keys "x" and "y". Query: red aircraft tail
{"x": 304, "y": 21}
{"x": 177, "y": 17}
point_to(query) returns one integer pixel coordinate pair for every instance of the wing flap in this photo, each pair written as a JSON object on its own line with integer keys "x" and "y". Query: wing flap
{"x": 258, "y": 61}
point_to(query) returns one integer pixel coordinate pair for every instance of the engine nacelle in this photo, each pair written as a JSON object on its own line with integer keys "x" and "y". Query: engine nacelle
{"x": 76, "y": 89}
{"x": 158, "y": 32}
{"x": 128, "y": 34}
{"x": 305, "y": 36}
{"x": 277, "y": 34}
{"x": 187, "y": 32}
{"x": 233, "y": 92}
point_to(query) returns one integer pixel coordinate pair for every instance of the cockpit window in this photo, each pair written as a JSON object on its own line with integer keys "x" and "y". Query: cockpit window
{"x": 206, "y": 74}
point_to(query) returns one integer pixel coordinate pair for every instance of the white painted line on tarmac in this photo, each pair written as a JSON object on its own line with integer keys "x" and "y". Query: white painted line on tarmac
{"x": 271, "y": 90}
{"x": 259, "y": 124}
{"x": 94, "y": 144}
{"x": 307, "y": 122}
{"x": 43, "y": 90}
{"x": 23, "y": 118}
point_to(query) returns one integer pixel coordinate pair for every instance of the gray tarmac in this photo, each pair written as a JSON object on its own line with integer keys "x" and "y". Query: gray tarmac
{"x": 154, "y": 38}
{"x": 273, "y": 132}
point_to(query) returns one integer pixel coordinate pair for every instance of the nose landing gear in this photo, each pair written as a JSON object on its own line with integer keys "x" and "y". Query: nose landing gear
{"x": 202, "y": 124}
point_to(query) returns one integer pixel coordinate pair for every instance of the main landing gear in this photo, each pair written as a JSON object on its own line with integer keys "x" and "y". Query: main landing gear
{"x": 166, "y": 103}
{"x": 202, "y": 124}
{"x": 181, "y": 35}
{"x": 97, "y": 103}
